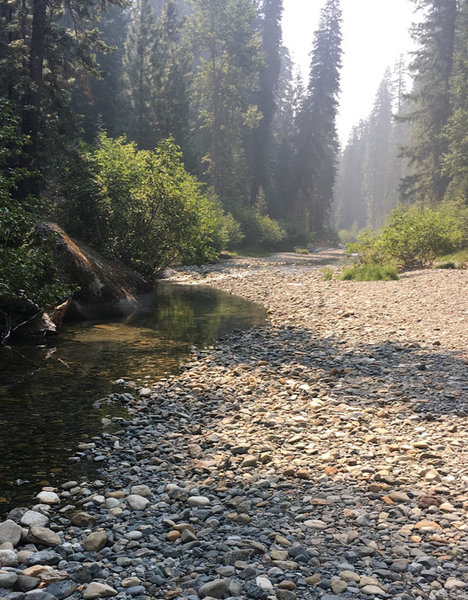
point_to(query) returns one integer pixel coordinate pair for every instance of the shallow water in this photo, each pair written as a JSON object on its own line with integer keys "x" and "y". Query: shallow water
{"x": 47, "y": 392}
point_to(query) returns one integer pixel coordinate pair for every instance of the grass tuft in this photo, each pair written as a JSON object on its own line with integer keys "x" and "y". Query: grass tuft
{"x": 370, "y": 273}
{"x": 327, "y": 273}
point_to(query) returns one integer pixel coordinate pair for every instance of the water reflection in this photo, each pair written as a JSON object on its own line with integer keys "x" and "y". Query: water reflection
{"x": 47, "y": 392}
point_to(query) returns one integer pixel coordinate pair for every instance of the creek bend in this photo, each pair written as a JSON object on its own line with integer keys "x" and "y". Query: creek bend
{"x": 50, "y": 393}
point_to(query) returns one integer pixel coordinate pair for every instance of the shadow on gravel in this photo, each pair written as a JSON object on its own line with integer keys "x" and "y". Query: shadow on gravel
{"x": 429, "y": 382}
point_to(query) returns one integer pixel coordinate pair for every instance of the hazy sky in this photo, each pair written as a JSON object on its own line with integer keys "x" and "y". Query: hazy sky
{"x": 375, "y": 33}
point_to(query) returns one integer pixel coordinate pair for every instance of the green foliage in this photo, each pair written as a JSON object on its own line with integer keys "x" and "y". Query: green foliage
{"x": 261, "y": 231}
{"x": 327, "y": 273}
{"x": 301, "y": 251}
{"x": 411, "y": 239}
{"x": 373, "y": 272}
{"x": 26, "y": 266}
{"x": 143, "y": 207}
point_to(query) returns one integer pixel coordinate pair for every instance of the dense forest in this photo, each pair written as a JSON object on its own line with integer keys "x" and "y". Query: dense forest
{"x": 162, "y": 131}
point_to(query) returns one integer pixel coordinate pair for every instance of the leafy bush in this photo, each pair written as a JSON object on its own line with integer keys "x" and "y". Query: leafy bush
{"x": 143, "y": 207}
{"x": 411, "y": 238}
{"x": 261, "y": 231}
{"x": 301, "y": 251}
{"x": 370, "y": 273}
{"x": 26, "y": 266}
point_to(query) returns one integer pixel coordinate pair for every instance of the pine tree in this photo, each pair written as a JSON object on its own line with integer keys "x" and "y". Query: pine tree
{"x": 267, "y": 98}
{"x": 455, "y": 161}
{"x": 378, "y": 153}
{"x": 430, "y": 102}
{"x": 318, "y": 145}
{"x": 171, "y": 65}
{"x": 227, "y": 51}
{"x": 138, "y": 75}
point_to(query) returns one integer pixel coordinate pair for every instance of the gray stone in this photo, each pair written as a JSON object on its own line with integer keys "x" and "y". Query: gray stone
{"x": 32, "y": 517}
{"x": 27, "y": 583}
{"x": 38, "y": 595}
{"x": 43, "y": 536}
{"x": 10, "y": 532}
{"x": 141, "y": 490}
{"x": 8, "y": 580}
{"x": 214, "y": 589}
{"x": 195, "y": 501}
{"x": 61, "y": 589}
{"x": 44, "y": 557}
{"x": 83, "y": 519}
{"x": 8, "y": 558}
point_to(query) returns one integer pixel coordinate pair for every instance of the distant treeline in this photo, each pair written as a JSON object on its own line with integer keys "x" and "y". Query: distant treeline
{"x": 413, "y": 148}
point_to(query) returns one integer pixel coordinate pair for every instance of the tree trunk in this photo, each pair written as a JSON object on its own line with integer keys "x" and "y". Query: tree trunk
{"x": 31, "y": 121}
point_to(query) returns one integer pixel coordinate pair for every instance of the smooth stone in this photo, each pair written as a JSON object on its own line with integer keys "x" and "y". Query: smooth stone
{"x": 43, "y": 536}
{"x": 10, "y": 532}
{"x": 372, "y": 590}
{"x": 8, "y": 580}
{"x": 285, "y": 595}
{"x": 398, "y": 497}
{"x": 349, "y": 576}
{"x": 62, "y": 589}
{"x": 83, "y": 519}
{"x": 48, "y": 498}
{"x": 98, "y": 590}
{"x": 455, "y": 584}
{"x": 8, "y": 558}
{"x": 339, "y": 586}
{"x": 316, "y": 524}
{"x": 27, "y": 583}
{"x": 131, "y": 582}
{"x": 137, "y": 502}
{"x": 195, "y": 501}
{"x": 215, "y": 589}
{"x": 95, "y": 541}
{"x": 32, "y": 517}
{"x": 141, "y": 490}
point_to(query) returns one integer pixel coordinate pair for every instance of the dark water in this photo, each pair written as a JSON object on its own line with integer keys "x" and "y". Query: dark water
{"x": 47, "y": 392}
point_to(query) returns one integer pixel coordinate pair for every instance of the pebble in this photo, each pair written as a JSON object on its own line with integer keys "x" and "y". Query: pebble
{"x": 98, "y": 590}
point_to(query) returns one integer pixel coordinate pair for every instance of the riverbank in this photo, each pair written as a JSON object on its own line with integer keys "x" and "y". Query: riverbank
{"x": 320, "y": 456}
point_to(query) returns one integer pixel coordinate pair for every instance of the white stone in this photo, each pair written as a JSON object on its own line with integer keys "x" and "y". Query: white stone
{"x": 48, "y": 498}
{"x": 315, "y": 524}
{"x": 137, "y": 502}
{"x": 98, "y": 590}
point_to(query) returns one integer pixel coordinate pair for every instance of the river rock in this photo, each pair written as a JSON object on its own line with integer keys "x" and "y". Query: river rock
{"x": 10, "y": 532}
{"x": 98, "y": 590}
{"x": 214, "y": 589}
{"x": 32, "y": 517}
{"x": 8, "y": 580}
{"x": 48, "y": 498}
{"x": 95, "y": 541}
{"x": 43, "y": 536}
{"x": 137, "y": 502}
{"x": 83, "y": 519}
{"x": 8, "y": 558}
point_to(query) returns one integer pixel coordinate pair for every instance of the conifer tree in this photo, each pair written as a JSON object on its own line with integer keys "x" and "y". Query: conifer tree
{"x": 138, "y": 75}
{"x": 318, "y": 144}
{"x": 455, "y": 161}
{"x": 430, "y": 102}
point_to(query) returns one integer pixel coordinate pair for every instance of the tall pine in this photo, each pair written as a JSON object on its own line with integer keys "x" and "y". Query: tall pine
{"x": 318, "y": 143}
{"x": 430, "y": 102}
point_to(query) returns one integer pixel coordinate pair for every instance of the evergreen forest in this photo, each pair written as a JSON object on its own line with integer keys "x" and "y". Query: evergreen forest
{"x": 166, "y": 131}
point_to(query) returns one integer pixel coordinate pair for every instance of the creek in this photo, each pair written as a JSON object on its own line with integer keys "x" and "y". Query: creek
{"x": 49, "y": 393}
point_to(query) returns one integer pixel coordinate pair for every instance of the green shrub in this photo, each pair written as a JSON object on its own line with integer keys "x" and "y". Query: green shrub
{"x": 370, "y": 273}
{"x": 446, "y": 265}
{"x": 143, "y": 207}
{"x": 301, "y": 251}
{"x": 411, "y": 239}
{"x": 260, "y": 230}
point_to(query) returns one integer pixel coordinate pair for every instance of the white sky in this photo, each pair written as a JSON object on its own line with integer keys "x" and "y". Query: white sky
{"x": 375, "y": 33}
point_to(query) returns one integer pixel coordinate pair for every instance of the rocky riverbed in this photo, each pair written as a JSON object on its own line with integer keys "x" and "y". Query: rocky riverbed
{"x": 322, "y": 456}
